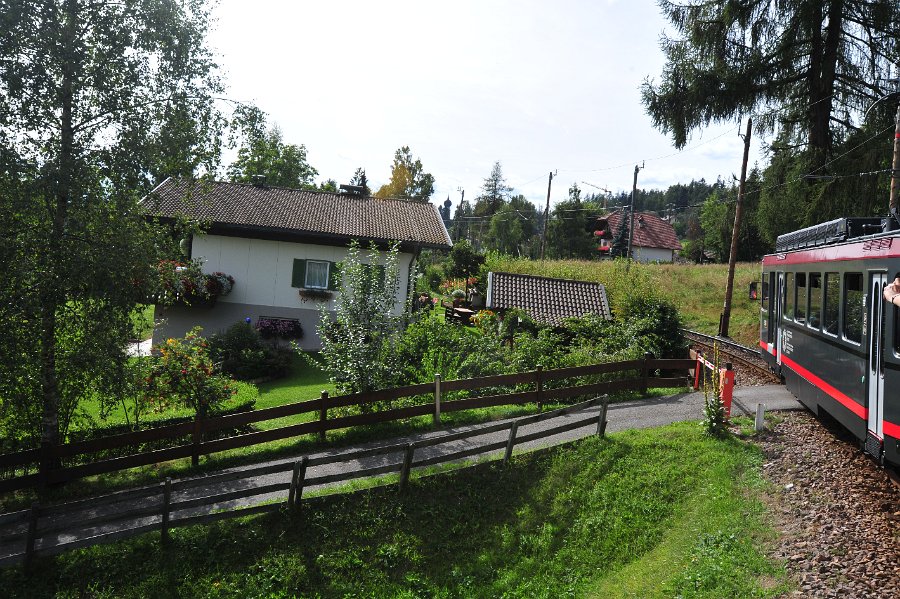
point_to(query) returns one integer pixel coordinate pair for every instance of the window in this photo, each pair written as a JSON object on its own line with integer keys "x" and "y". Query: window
{"x": 789, "y": 295}
{"x": 766, "y": 284}
{"x": 815, "y": 300}
{"x": 800, "y": 313}
{"x": 832, "y": 303}
{"x": 853, "y": 306}
{"x": 316, "y": 275}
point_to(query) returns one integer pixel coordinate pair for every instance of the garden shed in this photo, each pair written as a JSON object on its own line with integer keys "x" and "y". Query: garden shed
{"x": 281, "y": 247}
{"x": 546, "y": 300}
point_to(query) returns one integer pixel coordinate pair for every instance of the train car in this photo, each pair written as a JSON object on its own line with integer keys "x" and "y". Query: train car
{"x": 825, "y": 327}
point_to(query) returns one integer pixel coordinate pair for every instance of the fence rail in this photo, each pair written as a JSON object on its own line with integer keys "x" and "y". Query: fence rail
{"x": 320, "y": 407}
{"x": 37, "y": 531}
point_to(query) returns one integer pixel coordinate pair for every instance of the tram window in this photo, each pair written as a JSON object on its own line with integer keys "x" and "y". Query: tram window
{"x": 853, "y": 306}
{"x": 832, "y": 303}
{"x": 789, "y": 295}
{"x": 765, "y": 291}
{"x": 800, "y": 314}
{"x": 815, "y": 300}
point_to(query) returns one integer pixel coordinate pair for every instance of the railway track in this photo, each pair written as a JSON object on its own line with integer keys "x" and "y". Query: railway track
{"x": 749, "y": 368}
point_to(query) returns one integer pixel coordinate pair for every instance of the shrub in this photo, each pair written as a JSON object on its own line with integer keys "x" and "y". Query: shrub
{"x": 279, "y": 328}
{"x": 184, "y": 374}
{"x": 240, "y": 352}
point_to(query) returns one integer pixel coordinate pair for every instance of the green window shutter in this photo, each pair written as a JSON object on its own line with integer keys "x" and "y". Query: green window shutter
{"x": 298, "y": 276}
{"x": 381, "y": 275}
{"x": 334, "y": 276}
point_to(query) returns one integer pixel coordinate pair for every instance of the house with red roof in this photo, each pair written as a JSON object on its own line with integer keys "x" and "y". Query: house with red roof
{"x": 654, "y": 238}
{"x": 281, "y": 248}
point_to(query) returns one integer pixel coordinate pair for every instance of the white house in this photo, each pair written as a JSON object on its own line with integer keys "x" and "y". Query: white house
{"x": 281, "y": 246}
{"x": 654, "y": 239}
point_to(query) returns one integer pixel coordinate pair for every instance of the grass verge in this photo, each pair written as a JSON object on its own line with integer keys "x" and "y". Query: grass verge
{"x": 625, "y": 516}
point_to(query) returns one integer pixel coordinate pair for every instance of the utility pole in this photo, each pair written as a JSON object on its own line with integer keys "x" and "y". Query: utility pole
{"x": 457, "y": 228}
{"x": 631, "y": 215}
{"x": 546, "y": 215}
{"x": 895, "y": 170}
{"x": 725, "y": 320}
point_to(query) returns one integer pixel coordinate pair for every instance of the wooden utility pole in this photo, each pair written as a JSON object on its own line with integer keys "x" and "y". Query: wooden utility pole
{"x": 724, "y": 321}
{"x": 546, "y": 215}
{"x": 895, "y": 169}
{"x": 631, "y": 216}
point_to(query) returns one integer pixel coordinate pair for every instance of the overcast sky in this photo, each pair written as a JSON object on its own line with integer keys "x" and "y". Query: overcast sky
{"x": 538, "y": 86}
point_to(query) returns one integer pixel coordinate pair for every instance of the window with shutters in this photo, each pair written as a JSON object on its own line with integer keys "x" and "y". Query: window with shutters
{"x": 316, "y": 275}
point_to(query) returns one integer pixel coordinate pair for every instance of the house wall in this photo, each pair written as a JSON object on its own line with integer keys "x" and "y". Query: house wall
{"x": 262, "y": 271}
{"x": 642, "y": 254}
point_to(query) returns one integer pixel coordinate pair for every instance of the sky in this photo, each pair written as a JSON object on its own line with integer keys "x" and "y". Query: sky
{"x": 537, "y": 86}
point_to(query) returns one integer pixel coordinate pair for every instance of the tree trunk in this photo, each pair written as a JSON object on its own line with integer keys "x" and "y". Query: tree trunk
{"x": 823, "y": 69}
{"x": 53, "y": 296}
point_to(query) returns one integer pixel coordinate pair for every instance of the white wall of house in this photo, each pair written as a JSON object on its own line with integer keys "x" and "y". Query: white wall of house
{"x": 642, "y": 254}
{"x": 262, "y": 269}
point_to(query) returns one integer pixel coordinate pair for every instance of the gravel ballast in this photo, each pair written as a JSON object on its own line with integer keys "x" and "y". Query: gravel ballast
{"x": 837, "y": 511}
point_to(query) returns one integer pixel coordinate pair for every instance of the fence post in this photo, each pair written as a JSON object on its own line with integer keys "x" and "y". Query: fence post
{"x": 539, "y": 383}
{"x": 601, "y": 421}
{"x": 697, "y": 368}
{"x": 727, "y": 387}
{"x": 323, "y": 415}
{"x": 32, "y": 533}
{"x": 297, "y": 480}
{"x": 760, "y": 423}
{"x": 645, "y": 374}
{"x": 407, "y": 465}
{"x": 437, "y": 399}
{"x": 195, "y": 441}
{"x": 167, "y": 500}
{"x": 511, "y": 442}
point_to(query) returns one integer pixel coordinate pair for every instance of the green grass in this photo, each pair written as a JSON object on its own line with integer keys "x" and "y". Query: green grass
{"x": 627, "y": 516}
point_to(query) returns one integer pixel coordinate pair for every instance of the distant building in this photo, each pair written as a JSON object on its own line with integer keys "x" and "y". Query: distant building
{"x": 654, "y": 238}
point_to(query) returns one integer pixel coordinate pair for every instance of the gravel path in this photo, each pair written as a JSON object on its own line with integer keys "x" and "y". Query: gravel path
{"x": 838, "y": 512}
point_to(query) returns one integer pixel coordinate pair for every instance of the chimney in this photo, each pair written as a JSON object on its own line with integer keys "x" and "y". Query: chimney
{"x": 258, "y": 180}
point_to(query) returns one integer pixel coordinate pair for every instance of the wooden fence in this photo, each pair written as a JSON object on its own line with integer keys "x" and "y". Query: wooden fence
{"x": 38, "y": 530}
{"x": 196, "y": 431}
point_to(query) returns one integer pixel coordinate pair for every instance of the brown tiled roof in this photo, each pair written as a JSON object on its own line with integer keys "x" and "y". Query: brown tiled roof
{"x": 546, "y": 300}
{"x": 299, "y": 213}
{"x": 650, "y": 231}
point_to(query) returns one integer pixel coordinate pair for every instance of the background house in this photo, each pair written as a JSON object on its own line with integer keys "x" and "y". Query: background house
{"x": 282, "y": 245}
{"x": 654, "y": 238}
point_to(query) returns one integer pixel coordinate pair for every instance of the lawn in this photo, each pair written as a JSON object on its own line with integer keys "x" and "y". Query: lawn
{"x": 625, "y": 516}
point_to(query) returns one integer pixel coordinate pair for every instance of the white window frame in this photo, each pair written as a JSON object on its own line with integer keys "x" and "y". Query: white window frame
{"x": 306, "y": 282}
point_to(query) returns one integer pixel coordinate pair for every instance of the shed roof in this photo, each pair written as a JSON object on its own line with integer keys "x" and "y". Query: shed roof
{"x": 546, "y": 300}
{"x": 650, "y": 231}
{"x": 301, "y": 215}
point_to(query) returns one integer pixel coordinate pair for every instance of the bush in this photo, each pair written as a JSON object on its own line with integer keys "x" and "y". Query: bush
{"x": 240, "y": 352}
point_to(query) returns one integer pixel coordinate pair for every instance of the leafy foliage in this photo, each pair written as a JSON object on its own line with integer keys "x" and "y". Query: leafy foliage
{"x": 815, "y": 62}
{"x": 408, "y": 179}
{"x": 184, "y": 374}
{"x": 100, "y": 102}
{"x": 358, "y": 345}
{"x": 264, "y": 153}
{"x": 240, "y": 352}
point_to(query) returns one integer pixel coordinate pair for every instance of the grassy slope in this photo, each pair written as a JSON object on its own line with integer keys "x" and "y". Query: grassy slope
{"x": 697, "y": 290}
{"x": 627, "y": 516}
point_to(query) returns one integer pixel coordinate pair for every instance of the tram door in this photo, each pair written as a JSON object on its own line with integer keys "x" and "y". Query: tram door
{"x": 876, "y": 355}
{"x": 779, "y": 310}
